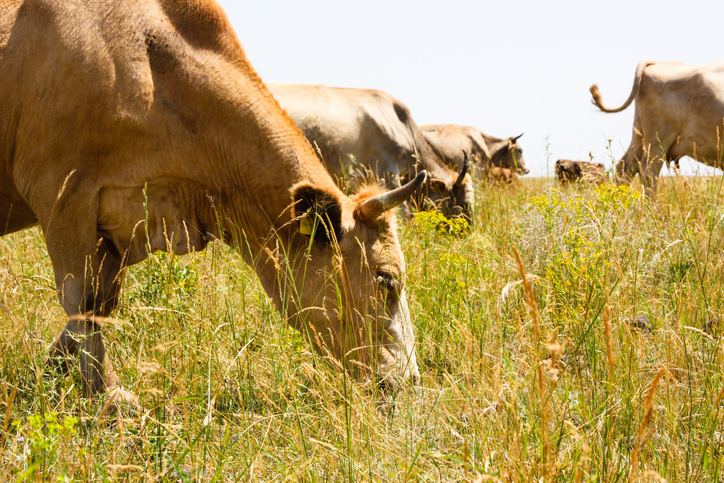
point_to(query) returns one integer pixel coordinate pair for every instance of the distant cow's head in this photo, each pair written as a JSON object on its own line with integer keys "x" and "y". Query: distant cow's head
{"x": 349, "y": 289}
{"x": 511, "y": 156}
{"x": 456, "y": 196}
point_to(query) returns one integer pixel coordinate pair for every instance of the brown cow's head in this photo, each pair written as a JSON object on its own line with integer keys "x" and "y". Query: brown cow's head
{"x": 454, "y": 197}
{"x": 349, "y": 287}
{"x": 513, "y": 156}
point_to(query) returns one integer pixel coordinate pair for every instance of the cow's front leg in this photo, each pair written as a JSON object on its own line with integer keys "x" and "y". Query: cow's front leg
{"x": 82, "y": 337}
{"x": 63, "y": 350}
{"x": 87, "y": 299}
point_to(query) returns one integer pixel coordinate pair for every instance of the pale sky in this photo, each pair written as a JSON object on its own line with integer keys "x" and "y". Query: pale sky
{"x": 505, "y": 67}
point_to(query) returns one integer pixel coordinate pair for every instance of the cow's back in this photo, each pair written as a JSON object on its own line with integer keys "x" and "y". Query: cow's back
{"x": 69, "y": 73}
{"x": 327, "y": 120}
{"x": 449, "y": 141}
{"x": 678, "y": 107}
{"x": 682, "y": 84}
{"x": 363, "y": 125}
{"x": 80, "y": 60}
{"x": 98, "y": 95}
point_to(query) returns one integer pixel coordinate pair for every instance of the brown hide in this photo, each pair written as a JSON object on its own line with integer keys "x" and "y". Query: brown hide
{"x": 501, "y": 177}
{"x": 568, "y": 171}
{"x": 450, "y": 142}
{"x": 123, "y": 118}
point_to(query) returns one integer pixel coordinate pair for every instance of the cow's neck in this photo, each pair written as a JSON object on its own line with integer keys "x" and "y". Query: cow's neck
{"x": 231, "y": 136}
{"x": 432, "y": 163}
{"x": 259, "y": 177}
{"x": 496, "y": 146}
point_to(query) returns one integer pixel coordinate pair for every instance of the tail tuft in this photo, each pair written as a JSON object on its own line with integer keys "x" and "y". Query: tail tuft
{"x": 596, "y": 94}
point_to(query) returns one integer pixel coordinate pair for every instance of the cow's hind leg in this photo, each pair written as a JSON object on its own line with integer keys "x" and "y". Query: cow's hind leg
{"x": 650, "y": 176}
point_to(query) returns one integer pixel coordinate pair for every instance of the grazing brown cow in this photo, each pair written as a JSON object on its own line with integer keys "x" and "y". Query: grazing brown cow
{"x": 568, "y": 171}
{"x": 501, "y": 177}
{"x": 370, "y": 129}
{"x": 679, "y": 112}
{"x": 127, "y": 118}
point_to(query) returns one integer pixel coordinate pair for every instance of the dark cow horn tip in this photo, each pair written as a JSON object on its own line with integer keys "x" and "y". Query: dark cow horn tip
{"x": 463, "y": 172}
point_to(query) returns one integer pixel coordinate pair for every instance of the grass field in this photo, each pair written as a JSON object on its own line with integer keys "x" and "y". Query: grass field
{"x": 606, "y": 366}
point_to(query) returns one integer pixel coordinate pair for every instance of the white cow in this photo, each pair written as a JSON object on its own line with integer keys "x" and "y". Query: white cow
{"x": 679, "y": 112}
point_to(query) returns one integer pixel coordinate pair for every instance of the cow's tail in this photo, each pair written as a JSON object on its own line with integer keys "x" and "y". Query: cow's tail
{"x": 598, "y": 102}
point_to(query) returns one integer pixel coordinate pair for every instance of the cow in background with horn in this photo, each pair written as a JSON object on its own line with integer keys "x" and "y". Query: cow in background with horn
{"x": 487, "y": 152}
{"x": 363, "y": 131}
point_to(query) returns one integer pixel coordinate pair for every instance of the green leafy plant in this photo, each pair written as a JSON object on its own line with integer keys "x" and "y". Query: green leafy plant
{"x": 45, "y": 437}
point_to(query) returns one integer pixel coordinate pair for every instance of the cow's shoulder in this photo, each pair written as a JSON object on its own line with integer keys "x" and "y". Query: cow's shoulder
{"x": 8, "y": 14}
{"x": 203, "y": 24}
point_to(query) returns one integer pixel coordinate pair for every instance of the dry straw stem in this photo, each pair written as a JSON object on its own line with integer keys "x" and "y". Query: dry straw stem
{"x": 487, "y": 478}
{"x": 556, "y": 349}
{"x": 585, "y": 458}
{"x": 8, "y": 410}
{"x": 124, "y": 468}
{"x": 533, "y": 306}
{"x": 99, "y": 320}
{"x": 529, "y": 297}
{"x": 719, "y": 397}
{"x": 544, "y": 423}
{"x": 611, "y": 362}
{"x": 644, "y": 435}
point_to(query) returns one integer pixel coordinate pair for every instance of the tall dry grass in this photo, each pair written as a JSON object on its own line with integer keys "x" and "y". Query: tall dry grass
{"x": 604, "y": 362}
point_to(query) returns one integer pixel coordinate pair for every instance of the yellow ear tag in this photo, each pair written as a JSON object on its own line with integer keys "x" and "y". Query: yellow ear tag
{"x": 305, "y": 224}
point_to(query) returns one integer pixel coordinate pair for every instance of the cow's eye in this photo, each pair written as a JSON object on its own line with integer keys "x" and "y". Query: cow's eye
{"x": 388, "y": 283}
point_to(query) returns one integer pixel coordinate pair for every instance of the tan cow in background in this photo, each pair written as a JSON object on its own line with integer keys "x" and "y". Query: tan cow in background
{"x": 365, "y": 130}
{"x": 126, "y": 118}
{"x": 679, "y": 112}
{"x": 450, "y": 140}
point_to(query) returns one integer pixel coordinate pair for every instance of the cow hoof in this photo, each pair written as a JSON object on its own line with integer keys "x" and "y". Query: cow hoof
{"x": 118, "y": 398}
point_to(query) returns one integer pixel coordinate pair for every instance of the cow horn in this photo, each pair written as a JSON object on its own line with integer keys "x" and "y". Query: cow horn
{"x": 375, "y": 206}
{"x": 517, "y": 137}
{"x": 463, "y": 171}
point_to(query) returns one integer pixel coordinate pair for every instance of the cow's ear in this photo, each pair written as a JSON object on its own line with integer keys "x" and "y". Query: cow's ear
{"x": 317, "y": 214}
{"x": 438, "y": 185}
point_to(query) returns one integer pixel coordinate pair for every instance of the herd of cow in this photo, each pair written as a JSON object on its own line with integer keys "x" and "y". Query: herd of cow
{"x": 140, "y": 125}
{"x": 362, "y": 133}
